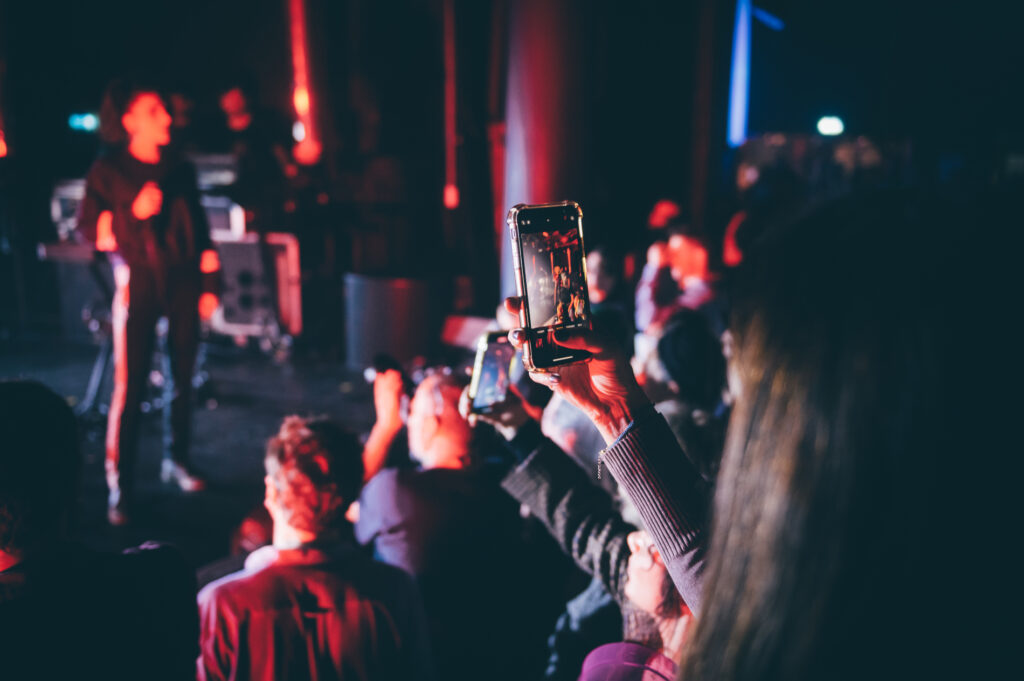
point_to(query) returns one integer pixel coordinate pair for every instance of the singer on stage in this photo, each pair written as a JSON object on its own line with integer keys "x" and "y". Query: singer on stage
{"x": 142, "y": 204}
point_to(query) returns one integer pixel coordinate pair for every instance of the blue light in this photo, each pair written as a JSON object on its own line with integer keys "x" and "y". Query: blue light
{"x": 87, "y": 122}
{"x": 830, "y": 125}
{"x": 739, "y": 86}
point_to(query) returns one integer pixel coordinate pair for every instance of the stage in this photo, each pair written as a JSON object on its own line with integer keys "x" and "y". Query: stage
{"x": 242, "y": 405}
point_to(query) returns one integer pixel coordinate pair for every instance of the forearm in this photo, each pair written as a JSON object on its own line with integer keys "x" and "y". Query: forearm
{"x": 375, "y": 451}
{"x": 670, "y": 495}
{"x": 578, "y": 514}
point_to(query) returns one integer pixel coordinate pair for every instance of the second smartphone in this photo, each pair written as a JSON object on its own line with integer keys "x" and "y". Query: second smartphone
{"x": 491, "y": 372}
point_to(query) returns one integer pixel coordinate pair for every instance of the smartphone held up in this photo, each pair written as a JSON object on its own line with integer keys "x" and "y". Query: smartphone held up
{"x": 551, "y": 279}
{"x": 491, "y": 372}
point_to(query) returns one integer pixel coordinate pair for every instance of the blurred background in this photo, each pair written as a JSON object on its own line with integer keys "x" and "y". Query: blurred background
{"x": 410, "y": 126}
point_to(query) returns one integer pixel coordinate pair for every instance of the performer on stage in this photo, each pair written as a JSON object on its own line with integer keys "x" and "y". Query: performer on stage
{"x": 143, "y": 204}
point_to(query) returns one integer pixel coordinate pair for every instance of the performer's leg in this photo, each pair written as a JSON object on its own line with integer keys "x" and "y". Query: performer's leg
{"x": 133, "y": 318}
{"x": 179, "y": 365}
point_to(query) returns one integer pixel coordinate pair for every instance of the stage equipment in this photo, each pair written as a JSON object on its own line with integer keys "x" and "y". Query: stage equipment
{"x": 253, "y": 304}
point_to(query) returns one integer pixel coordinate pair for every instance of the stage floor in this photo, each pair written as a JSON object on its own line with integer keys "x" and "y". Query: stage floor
{"x": 243, "y": 405}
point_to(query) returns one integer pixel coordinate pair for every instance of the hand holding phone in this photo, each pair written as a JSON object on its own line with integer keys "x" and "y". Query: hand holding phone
{"x": 551, "y": 279}
{"x": 604, "y": 389}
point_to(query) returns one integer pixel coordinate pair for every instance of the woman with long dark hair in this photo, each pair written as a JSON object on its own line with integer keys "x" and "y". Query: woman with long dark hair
{"x": 840, "y": 502}
{"x": 142, "y": 203}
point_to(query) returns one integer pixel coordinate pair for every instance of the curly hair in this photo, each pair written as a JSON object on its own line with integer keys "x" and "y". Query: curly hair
{"x": 317, "y": 468}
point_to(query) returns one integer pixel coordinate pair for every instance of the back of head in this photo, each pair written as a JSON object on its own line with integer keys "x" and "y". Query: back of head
{"x": 38, "y": 464}
{"x": 316, "y": 467}
{"x": 828, "y": 498}
{"x": 437, "y": 432}
{"x": 693, "y": 359}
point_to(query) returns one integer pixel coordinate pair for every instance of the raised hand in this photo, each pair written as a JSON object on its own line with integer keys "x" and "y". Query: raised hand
{"x": 604, "y": 388}
{"x": 148, "y": 202}
{"x": 506, "y": 417}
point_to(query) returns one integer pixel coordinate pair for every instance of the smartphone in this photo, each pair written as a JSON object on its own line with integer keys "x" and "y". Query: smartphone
{"x": 490, "y": 383}
{"x": 551, "y": 279}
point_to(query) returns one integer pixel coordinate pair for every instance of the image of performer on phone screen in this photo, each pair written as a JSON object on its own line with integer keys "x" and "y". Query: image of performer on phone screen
{"x": 554, "y": 276}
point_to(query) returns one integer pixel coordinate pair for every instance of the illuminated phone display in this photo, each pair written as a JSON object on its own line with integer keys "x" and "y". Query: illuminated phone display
{"x": 491, "y": 370}
{"x": 552, "y": 277}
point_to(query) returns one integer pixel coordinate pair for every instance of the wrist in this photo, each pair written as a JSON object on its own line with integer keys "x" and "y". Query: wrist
{"x": 390, "y": 424}
{"x": 613, "y": 421}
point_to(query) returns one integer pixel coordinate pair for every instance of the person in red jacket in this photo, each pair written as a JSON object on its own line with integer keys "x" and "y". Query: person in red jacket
{"x": 142, "y": 204}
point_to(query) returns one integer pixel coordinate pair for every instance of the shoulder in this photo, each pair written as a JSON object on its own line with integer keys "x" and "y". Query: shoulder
{"x": 104, "y": 167}
{"x": 231, "y": 593}
{"x": 388, "y": 482}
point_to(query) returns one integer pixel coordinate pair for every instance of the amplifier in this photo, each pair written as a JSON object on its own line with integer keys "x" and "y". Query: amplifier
{"x": 251, "y": 302}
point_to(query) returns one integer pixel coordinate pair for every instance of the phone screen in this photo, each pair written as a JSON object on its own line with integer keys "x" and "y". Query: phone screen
{"x": 553, "y": 269}
{"x": 495, "y": 356}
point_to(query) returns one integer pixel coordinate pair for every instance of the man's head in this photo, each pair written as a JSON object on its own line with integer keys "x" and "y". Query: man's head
{"x": 134, "y": 111}
{"x": 314, "y": 471}
{"x": 38, "y": 465}
{"x": 604, "y": 273}
{"x": 438, "y": 435}
{"x": 648, "y": 584}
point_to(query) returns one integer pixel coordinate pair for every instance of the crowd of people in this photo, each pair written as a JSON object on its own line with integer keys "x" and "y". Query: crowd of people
{"x": 757, "y": 469}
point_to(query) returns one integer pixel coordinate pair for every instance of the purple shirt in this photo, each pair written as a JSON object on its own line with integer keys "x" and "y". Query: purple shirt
{"x": 627, "y": 662}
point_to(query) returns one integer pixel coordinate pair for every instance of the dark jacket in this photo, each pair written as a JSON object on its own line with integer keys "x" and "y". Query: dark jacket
{"x": 461, "y": 538}
{"x": 319, "y": 612}
{"x": 578, "y": 514}
{"x": 174, "y": 237}
{"x": 70, "y": 612}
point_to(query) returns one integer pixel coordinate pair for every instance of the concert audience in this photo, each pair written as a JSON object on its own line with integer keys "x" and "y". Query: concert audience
{"x": 67, "y": 611}
{"x": 311, "y": 605}
{"x": 790, "y": 488}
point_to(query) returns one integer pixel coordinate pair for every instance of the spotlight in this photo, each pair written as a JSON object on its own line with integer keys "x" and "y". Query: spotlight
{"x": 830, "y": 125}
{"x": 298, "y": 131}
{"x": 87, "y": 122}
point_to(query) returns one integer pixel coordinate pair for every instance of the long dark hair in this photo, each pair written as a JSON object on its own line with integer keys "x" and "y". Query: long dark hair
{"x": 829, "y": 496}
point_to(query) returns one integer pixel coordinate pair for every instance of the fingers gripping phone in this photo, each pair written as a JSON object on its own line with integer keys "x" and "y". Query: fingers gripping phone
{"x": 490, "y": 383}
{"x": 551, "y": 279}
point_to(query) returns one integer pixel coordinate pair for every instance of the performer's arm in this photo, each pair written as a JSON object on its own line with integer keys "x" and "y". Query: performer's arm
{"x": 95, "y": 219}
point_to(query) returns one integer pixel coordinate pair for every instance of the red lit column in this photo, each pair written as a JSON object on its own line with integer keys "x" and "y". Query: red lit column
{"x": 308, "y": 150}
{"x": 543, "y": 116}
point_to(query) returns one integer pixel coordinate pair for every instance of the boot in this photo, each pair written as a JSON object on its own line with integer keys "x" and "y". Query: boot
{"x": 178, "y": 473}
{"x": 117, "y": 512}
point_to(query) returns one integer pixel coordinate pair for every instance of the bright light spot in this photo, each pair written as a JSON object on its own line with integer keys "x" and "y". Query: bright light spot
{"x": 87, "y": 122}
{"x": 298, "y": 131}
{"x": 307, "y": 152}
{"x": 301, "y": 101}
{"x": 451, "y": 196}
{"x": 3, "y": 145}
{"x": 830, "y": 125}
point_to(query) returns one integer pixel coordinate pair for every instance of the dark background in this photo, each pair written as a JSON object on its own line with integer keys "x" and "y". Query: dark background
{"x": 945, "y": 78}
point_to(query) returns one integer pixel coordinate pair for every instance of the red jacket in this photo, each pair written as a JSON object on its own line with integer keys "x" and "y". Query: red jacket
{"x": 319, "y": 612}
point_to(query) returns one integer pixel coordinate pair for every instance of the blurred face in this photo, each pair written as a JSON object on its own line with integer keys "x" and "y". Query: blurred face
{"x": 687, "y": 257}
{"x": 232, "y": 102}
{"x": 595, "y": 277}
{"x": 645, "y": 573}
{"x": 147, "y": 120}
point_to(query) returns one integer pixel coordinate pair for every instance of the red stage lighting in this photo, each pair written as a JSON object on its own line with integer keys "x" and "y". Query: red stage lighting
{"x": 451, "y": 196}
